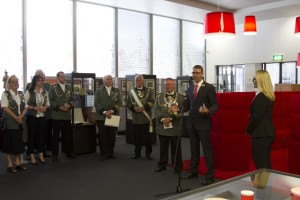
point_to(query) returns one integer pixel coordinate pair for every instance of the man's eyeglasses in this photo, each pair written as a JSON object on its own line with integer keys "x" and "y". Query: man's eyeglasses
{"x": 196, "y": 72}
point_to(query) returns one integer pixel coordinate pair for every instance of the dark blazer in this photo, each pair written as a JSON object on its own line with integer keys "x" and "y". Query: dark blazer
{"x": 58, "y": 98}
{"x": 161, "y": 111}
{"x": 147, "y": 99}
{"x": 104, "y": 102}
{"x": 207, "y": 95}
{"x": 261, "y": 124}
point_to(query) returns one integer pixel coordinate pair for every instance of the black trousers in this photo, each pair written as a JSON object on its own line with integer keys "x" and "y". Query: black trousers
{"x": 35, "y": 129}
{"x": 261, "y": 151}
{"x": 164, "y": 151}
{"x": 141, "y": 134}
{"x": 48, "y": 134}
{"x": 63, "y": 127}
{"x": 107, "y": 138}
{"x": 203, "y": 137}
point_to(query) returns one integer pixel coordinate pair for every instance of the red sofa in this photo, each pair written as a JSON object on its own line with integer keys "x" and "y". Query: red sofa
{"x": 294, "y": 143}
{"x": 232, "y": 151}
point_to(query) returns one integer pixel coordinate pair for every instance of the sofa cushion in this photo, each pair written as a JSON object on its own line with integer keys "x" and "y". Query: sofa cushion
{"x": 231, "y": 151}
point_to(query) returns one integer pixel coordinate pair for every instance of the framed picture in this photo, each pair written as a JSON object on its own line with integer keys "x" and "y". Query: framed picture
{"x": 150, "y": 84}
{"x": 123, "y": 85}
{"x": 129, "y": 84}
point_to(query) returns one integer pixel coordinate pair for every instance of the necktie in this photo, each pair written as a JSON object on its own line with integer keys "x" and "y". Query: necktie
{"x": 195, "y": 91}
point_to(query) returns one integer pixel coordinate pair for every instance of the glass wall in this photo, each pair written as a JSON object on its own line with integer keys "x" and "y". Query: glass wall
{"x": 95, "y": 47}
{"x": 288, "y": 73}
{"x": 133, "y": 43}
{"x": 56, "y": 37}
{"x": 11, "y": 48}
{"x": 49, "y": 36}
{"x": 166, "y": 47}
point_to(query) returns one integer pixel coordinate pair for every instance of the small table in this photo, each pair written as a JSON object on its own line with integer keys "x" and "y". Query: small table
{"x": 266, "y": 185}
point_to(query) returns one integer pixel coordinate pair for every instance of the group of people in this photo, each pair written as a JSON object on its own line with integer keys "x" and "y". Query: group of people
{"x": 169, "y": 106}
{"x": 32, "y": 110}
{"x": 201, "y": 102}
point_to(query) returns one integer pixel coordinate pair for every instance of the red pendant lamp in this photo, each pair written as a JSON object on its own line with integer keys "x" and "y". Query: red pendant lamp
{"x": 250, "y": 25}
{"x": 297, "y": 27}
{"x": 298, "y": 60}
{"x": 219, "y": 24}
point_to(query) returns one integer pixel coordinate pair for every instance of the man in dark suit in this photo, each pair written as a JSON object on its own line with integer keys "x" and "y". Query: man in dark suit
{"x": 61, "y": 102}
{"x": 140, "y": 102}
{"x": 107, "y": 103}
{"x": 202, "y": 103}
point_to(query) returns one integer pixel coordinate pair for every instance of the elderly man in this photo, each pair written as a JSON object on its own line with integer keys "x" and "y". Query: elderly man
{"x": 107, "y": 103}
{"x": 167, "y": 107}
{"x": 140, "y": 102}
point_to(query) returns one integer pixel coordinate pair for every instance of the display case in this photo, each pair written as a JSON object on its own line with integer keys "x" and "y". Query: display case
{"x": 82, "y": 121}
{"x": 265, "y": 183}
{"x": 183, "y": 83}
{"x": 150, "y": 82}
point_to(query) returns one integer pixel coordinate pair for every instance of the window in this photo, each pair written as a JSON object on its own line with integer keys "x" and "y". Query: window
{"x": 133, "y": 43}
{"x": 11, "y": 40}
{"x": 166, "y": 47}
{"x": 193, "y": 47}
{"x": 288, "y": 73}
{"x": 49, "y": 37}
{"x": 273, "y": 69}
{"x": 95, "y": 39}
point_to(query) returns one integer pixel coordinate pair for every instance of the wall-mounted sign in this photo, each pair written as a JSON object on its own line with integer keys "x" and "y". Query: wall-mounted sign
{"x": 278, "y": 57}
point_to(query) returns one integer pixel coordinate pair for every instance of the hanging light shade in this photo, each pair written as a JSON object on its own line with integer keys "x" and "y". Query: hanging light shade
{"x": 298, "y": 60}
{"x": 250, "y": 25}
{"x": 297, "y": 27}
{"x": 219, "y": 24}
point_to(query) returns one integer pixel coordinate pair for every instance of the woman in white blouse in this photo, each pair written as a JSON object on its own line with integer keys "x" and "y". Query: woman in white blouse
{"x": 14, "y": 110}
{"x": 38, "y": 102}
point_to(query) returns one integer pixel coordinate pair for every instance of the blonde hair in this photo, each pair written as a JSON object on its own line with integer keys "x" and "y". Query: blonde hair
{"x": 10, "y": 79}
{"x": 264, "y": 84}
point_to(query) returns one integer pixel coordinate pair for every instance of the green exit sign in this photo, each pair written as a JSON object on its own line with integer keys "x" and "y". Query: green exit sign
{"x": 278, "y": 57}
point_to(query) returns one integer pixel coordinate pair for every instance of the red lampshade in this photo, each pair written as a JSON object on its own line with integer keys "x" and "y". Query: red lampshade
{"x": 250, "y": 25}
{"x": 297, "y": 27}
{"x": 298, "y": 60}
{"x": 219, "y": 24}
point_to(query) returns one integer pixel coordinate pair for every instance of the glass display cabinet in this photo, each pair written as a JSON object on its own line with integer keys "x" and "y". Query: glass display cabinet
{"x": 83, "y": 122}
{"x": 265, "y": 183}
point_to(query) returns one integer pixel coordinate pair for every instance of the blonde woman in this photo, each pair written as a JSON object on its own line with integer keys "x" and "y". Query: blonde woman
{"x": 261, "y": 127}
{"x": 14, "y": 110}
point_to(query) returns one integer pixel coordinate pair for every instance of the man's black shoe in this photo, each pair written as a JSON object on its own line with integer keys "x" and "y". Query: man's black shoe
{"x": 190, "y": 175}
{"x": 149, "y": 157}
{"x": 70, "y": 155}
{"x": 159, "y": 169}
{"x": 112, "y": 157}
{"x": 135, "y": 157}
{"x": 102, "y": 158}
{"x": 208, "y": 181}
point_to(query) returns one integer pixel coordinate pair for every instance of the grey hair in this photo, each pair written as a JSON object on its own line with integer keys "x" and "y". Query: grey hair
{"x": 106, "y": 76}
{"x": 11, "y": 78}
{"x": 39, "y": 72}
{"x": 139, "y": 76}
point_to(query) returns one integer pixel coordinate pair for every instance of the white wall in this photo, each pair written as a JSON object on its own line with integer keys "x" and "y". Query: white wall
{"x": 273, "y": 36}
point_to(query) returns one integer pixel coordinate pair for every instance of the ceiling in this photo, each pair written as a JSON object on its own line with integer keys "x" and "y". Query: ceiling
{"x": 262, "y": 9}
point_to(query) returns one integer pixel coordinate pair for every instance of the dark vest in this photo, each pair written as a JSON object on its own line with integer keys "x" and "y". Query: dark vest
{"x": 13, "y": 106}
{"x": 32, "y": 101}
